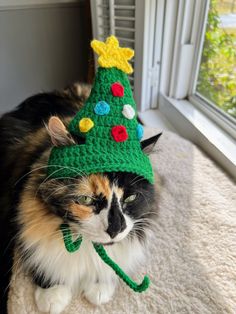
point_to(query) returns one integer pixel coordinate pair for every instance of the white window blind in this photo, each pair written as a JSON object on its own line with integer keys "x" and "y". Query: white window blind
{"x": 138, "y": 25}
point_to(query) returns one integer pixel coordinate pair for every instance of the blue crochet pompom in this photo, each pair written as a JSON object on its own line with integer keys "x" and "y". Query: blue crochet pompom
{"x": 102, "y": 108}
{"x": 139, "y": 131}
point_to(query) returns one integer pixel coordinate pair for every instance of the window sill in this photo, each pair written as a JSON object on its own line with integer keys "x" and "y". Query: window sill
{"x": 155, "y": 119}
{"x": 194, "y": 125}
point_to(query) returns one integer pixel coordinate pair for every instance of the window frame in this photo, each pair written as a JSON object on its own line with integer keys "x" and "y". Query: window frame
{"x": 225, "y": 121}
{"x": 193, "y": 124}
{"x": 189, "y": 113}
{"x": 214, "y": 113}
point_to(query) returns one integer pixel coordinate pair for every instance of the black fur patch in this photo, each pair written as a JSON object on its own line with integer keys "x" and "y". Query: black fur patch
{"x": 37, "y": 109}
{"x": 100, "y": 203}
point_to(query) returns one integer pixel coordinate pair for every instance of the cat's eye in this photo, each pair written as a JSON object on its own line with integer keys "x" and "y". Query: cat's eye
{"x": 130, "y": 198}
{"x": 84, "y": 200}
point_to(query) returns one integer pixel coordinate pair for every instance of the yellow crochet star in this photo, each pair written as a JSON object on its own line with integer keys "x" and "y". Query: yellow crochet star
{"x": 111, "y": 55}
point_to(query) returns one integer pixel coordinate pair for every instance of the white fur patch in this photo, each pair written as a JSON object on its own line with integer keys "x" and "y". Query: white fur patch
{"x": 82, "y": 269}
{"x": 100, "y": 293}
{"x": 52, "y": 300}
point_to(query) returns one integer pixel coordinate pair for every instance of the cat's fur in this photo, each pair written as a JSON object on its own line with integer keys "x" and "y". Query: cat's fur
{"x": 32, "y": 207}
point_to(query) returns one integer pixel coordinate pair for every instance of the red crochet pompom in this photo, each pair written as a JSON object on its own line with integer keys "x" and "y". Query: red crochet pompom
{"x": 117, "y": 89}
{"x": 119, "y": 133}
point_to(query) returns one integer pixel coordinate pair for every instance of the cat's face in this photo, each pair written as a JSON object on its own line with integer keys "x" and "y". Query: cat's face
{"x": 105, "y": 208}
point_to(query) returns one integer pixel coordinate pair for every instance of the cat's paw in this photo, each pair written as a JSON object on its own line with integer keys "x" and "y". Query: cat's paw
{"x": 99, "y": 293}
{"x": 52, "y": 300}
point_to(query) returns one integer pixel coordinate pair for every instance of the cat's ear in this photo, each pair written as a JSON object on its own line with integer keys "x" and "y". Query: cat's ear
{"x": 148, "y": 144}
{"x": 58, "y": 132}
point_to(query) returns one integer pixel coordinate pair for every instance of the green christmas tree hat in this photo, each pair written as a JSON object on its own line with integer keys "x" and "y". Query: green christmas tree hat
{"x": 107, "y": 122}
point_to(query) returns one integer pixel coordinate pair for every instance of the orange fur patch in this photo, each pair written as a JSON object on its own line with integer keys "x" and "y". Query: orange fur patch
{"x": 95, "y": 184}
{"x": 81, "y": 211}
{"x": 38, "y": 223}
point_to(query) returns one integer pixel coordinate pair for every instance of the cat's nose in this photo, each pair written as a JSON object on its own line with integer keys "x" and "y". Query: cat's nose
{"x": 113, "y": 231}
{"x": 112, "y": 234}
{"x": 116, "y": 225}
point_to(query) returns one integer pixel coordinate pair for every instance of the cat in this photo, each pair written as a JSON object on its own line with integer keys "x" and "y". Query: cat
{"x": 116, "y": 209}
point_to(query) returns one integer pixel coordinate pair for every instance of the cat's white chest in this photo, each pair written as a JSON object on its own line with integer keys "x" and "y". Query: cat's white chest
{"x": 83, "y": 268}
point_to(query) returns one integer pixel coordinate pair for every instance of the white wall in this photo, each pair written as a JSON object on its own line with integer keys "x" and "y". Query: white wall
{"x": 41, "y": 48}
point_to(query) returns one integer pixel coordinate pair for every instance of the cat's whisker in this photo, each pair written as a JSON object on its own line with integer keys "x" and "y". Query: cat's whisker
{"x": 64, "y": 178}
{"x": 58, "y": 189}
{"x": 143, "y": 223}
{"x": 136, "y": 177}
{"x": 149, "y": 206}
{"x": 39, "y": 187}
{"x": 36, "y": 169}
{"x": 139, "y": 180}
{"x": 146, "y": 223}
{"x": 79, "y": 173}
{"x": 46, "y": 179}
{"x": 143, "y": 219}
{"x": 148, "y": 214}
{"x": 134, "y": 233}
{"x": 88, "y": 233}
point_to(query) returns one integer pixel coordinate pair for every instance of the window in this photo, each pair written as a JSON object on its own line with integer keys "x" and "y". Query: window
{"x": 186, "y": 89}
{"x": 216, "y": 82}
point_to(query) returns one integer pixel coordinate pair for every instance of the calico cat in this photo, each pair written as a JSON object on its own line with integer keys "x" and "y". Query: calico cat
{"x": 115, "y": 209}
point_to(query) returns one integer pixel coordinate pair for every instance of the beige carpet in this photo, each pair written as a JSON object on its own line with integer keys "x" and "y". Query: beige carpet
{"x": 193, "y": 261}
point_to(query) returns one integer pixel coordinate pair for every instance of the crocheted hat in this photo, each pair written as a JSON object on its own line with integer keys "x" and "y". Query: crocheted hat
{"x": 107, "y": 122}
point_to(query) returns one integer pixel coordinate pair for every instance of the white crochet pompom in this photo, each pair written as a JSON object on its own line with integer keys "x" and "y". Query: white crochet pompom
{"x": 128, "y": 112}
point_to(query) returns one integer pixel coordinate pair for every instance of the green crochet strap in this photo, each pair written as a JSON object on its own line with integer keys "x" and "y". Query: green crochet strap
{"x": 74, "y": 246}
{"x": 132, "y": 284}
{"x": 69, "y": 244}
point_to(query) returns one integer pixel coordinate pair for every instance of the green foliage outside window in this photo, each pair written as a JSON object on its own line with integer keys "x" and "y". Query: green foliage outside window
{"x": 217, "y": 75}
